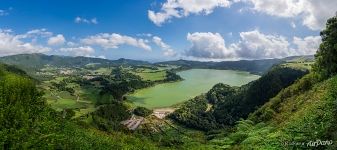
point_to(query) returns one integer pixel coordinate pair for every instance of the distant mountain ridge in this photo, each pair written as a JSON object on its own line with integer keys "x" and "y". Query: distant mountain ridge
{"x": 38, "y": 61}
{"x": 253, "y": 66}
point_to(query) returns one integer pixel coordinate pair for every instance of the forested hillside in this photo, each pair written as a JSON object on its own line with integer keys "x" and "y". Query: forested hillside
{"x": 35, "y": 62}
{"x": 229, "y": 104}
{"x": 302, "y": 116}
{"x": 27, "y": 122}
{"x": 253, "y": 66}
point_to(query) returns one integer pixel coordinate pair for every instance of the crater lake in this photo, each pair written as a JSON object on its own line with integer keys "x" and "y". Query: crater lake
{"x": 196, "y": 82}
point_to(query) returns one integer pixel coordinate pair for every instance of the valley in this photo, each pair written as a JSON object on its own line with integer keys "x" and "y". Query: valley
{"x": 171, "y": 106}
{"x": 78, "y": 83}
{"x": 168, "y": 75}
{"x": 80, "y": 89}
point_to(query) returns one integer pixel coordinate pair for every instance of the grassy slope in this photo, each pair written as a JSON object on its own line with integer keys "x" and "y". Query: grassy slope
{"x": 299, "y": 63}
{"x": 303, "y": 112}
{"x": 152, "y": 76}
{"x": 60, "y": 100}
{"x": 149, "y": 74}
{"x": 27, "y": 123}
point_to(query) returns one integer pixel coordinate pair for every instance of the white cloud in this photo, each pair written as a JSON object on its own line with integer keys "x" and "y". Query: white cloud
{"x": 293, "y": 25}
{"x": 183, "y": 8}
{"x": 168, "y": 51}
{"x": 307, "y": 45}
{"x": 36, "y": 33}
{"x": 158, "y": 41}
{"x": 11, "y": 43}
{"x": 3, "y": 12}
{"x": 145, "y": 35}
{"x": 255, "y": 45}
{"x": 72, "y": 44}
{"x": 56, "y": 40}
{"x": 252, "y": 45}
{"x": 101, "y": 56}
{"x": 94, "y": 21}
{"x": 282, "y": 8}
{"x": 208, "y": 45}
{"x": 313, "y": 13}
{"x": 114, "y": 40}
{"x": 79, "y": 51}
{"x": 85, "y": 20}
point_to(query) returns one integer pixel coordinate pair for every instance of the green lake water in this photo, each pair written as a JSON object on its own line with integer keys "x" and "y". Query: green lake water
{"x": 196, "y": 81}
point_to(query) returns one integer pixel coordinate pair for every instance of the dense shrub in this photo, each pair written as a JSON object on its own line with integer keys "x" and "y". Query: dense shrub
{"x": 142, "y": 111}
{"x": 108, "y": 117}
{"x": 193, "y": 114}
{"x": 250, "y": 96}
{"x": 326, "y": 60}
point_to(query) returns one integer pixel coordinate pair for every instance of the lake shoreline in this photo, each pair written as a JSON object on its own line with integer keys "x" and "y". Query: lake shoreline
{"x": 197, "y": 81}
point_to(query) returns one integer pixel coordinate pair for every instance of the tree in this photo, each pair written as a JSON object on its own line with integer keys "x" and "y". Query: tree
{"x": 326, "y": 57}
{"x": 108, "y": 117}
{"x": 142, "y": 111}
{"x": 116, "y": 89}
{"x": 219, "y": 92}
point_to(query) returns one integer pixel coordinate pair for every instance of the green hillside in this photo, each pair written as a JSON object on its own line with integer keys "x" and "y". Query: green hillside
{"x": 34, "y": 62}
{"x": 26, "y": 122}
{"x": 300, "y": 114}
{"x": 252, "y": 66}
{"x": 229, "y": 104}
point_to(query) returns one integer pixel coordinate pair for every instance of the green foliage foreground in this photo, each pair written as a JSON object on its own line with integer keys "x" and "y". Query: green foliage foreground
{"x": 26, "y": 122}
{"x": 291, "y": 121}
{"x": 326, "y": 60}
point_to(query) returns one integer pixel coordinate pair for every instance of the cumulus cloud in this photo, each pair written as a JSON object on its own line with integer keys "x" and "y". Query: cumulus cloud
{"x": 79, "y": 51}
{"x": 72, "y": 44}
{"x": 257, "y": 45}
{"x": 11, "y": 43}
{"x": 56, "y": 40}
{"x": 208, "y": 45}
{"x": 307, "y": 45}
{"x": 183, "y": 8}
{"x": 168, "y": 51}
{"x": 252, "y": 45}
{"x": 114, "y": 40}
{"x": 158, "y": 41}
{"x": 313, "y": 13}
{"x": 85, "y": 20}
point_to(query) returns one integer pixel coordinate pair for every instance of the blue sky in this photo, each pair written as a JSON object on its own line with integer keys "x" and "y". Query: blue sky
{"x": 189, "y": 29}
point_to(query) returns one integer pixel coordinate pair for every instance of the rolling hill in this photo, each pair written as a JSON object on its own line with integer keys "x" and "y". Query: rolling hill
{"x": 252, "y": 66}
{"x": 34, "y": 62}
{"x": 38, "y": 61}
